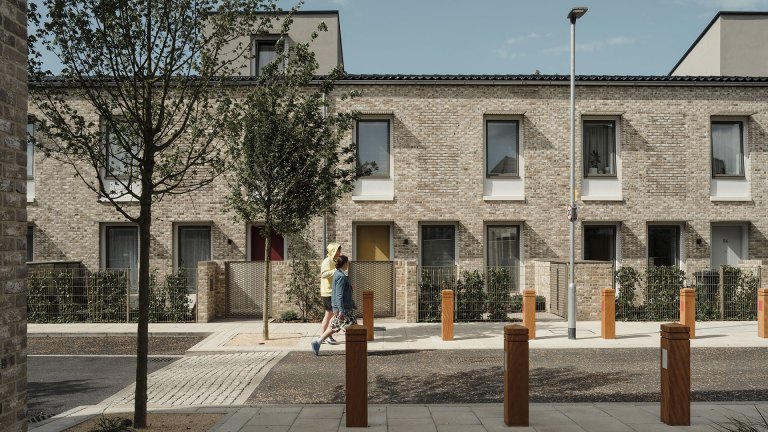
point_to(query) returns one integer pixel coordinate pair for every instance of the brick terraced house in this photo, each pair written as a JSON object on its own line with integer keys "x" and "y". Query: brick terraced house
{"x": 473, "y": 172}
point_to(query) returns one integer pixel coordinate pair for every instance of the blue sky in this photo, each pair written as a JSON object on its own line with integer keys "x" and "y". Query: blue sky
{"x": 616, "y": 37}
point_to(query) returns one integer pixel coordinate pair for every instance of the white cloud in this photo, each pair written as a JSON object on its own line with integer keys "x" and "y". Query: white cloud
{"x": 593, "y": 45}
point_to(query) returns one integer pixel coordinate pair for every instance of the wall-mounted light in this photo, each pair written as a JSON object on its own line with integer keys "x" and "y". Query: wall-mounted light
{"x": 405, "y": 241}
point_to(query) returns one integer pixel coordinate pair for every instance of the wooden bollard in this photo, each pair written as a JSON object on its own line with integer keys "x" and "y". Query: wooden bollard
{"x": 447, "y": 315}
{"x": 515, "y": 375}
{"x": 368, "y": 313}
{"x": 675, "y": 366}
{"x": 608, "y": 312}
{"x": 529, "y": 312}
{"x": 357, "y": 376}
{"x": 688, "y": 309}
{"x": 762, "y": 312}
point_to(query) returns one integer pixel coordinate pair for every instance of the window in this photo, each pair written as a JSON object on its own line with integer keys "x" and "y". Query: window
{"x": 727, "y": 149}
{"x": 30, "y": 243}
{"x": 373, "y": 146}
{"x": 265, "y": 52}
{"x": 194, "y": 246}
{"x": 663, "y": 245}
{"x": 438, "y": 245}
{"x": 600, "y": 242}
{"x": 122, "y": 251}
{"x": 119, "y": 159}
{"x": 30, "y": 150}
{"x": 503, "y": 246}
{"x": 599, "y": 148}
{"x": 501, "y": 148}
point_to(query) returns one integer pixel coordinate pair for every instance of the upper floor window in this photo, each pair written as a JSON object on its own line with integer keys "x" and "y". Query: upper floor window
{"x": 599, "y": 148}
{"x": 264, "y": 53}
{"x": 373, "y": 146}
{"x": 120, "y": 161}
{"x": 502, "y": 145}
{"x": 727, "y": 149}
{"x": 30, "y": 149}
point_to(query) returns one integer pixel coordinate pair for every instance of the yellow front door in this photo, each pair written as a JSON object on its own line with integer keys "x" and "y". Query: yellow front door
{"x": 373, "y": 243}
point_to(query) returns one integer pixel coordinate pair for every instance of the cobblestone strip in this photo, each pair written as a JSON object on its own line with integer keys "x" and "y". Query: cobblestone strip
{"x": 221, "y": 379}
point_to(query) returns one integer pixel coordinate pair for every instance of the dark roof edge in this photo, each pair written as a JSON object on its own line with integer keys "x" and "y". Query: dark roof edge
{"x": 706, "y": 29}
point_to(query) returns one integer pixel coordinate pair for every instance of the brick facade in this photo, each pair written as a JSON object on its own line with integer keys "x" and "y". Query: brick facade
{"x": 13, "y": 216}
{"x": 438, "y": 152}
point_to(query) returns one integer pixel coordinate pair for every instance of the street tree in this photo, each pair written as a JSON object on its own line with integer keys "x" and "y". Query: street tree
{"x": 288, "y": 162}
{"x": 134, "y": 111}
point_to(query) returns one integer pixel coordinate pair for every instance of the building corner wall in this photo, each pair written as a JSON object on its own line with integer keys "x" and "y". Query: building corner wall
{"x": 13, "y": 216}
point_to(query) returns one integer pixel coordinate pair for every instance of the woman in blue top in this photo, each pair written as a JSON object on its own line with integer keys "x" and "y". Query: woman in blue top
{"x": 341, "y": 300}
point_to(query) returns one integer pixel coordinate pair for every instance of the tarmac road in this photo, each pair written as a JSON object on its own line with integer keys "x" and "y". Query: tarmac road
{"x": 466, "y": 376}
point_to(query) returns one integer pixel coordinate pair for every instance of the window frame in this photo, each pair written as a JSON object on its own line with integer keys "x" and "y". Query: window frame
{"x": 381, "y": 175}
{"x": 678, "y": 242}
{"x": 585, "y": 157}
{"x": 177, "y": 228}
{"x": 742, "y": 161}
{"x": 256, "y": 41}
{"x": 519, "y": 229}
{"x": 613, "y": 226}
{"x": 455, "y": 240}
{"x": 30, "y": 244}
{"x": 31, "y": 147}
{"x": 134, "y": 284}
{"x": 108, "y": 153}
{"x": 516, "y": 174}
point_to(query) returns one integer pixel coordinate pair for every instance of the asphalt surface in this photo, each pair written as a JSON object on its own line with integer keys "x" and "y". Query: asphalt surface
{"x": 60, "y": 378}
{"x": 464, "y": 376}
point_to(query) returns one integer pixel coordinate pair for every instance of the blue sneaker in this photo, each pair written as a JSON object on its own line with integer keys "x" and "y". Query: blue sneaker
{"x": 316, "y": 347}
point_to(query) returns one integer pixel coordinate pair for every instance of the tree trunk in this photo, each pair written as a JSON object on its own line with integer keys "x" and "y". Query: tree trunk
{"x": 142, "y": 332}
{"x": 267, "y": 286}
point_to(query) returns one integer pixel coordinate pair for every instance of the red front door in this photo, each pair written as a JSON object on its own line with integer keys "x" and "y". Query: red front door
{"x": 276, "y": 250}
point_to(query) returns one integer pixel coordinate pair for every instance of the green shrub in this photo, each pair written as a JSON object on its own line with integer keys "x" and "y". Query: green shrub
{"x": 304, "y": 289}
{"x": 499, "y": 298}
{"x": 38, "y": 301}
{"x": 470, "y": 296}
{"x": 627, "y": 281}
{"x": 107, "y": 295}
{"x": 289, "y": 315}
{"x": 662, "y": 293}
{"x": 431, "y": 284}
{"x": 740, "y": 294}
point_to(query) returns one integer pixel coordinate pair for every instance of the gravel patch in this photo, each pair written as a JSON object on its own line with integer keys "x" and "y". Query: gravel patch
{"x": 460, "y": 376}
{"x": 110, "y": 345}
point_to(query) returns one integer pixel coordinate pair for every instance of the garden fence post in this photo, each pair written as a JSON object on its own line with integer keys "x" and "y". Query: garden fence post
{"x": 447, "y": 315}
{"x": 368, "y": 313}
{"x": 688, "y": 309}
{"x": 516, "y": 375}
{"x": 762, "y": 312}
{"x": 608, "y": 311}
{"x": 529, "y": 312}
{"x": 675, "y": 367}
{"x": 721, "y": 294}
{"x": 357, "y": 376}
{"x": 128, "y": 299}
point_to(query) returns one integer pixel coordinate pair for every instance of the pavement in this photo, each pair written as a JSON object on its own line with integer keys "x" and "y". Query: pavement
{"x": 221, "y": 371}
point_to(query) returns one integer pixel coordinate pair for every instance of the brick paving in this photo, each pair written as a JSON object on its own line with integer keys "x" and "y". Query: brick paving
{"x": 211, "y": 380}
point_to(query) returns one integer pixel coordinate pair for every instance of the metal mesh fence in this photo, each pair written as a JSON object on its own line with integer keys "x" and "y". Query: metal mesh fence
{"x": 432, "y": 280}
{"x": 376, "y": 276}
{"x": 78, "y": 295}
{"x": 245, "y": 288}
{"x": 653, "y": 293}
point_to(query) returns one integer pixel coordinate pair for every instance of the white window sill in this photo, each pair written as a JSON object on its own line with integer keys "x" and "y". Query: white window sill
{"x": 121, "y": 199}
{"x": 602, "y": 198}
{"x": 503, "y": 198}
{"x": 730, "y": 199}
{"x": 373, "y": 198}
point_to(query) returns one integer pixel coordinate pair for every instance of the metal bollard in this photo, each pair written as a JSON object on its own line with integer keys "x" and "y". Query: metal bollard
{"x": 608, "y": 310}
{"x": 357, "y": 376}
{"x": 688, "y": 309}
{"x": 762, "y": 312}
{"x": 675, "y": 366}
{"x": 368, "y": 313}
{"x": 515, "y": 375}
{"x": 529, "y": 312}
{"x": 447, "y": 315}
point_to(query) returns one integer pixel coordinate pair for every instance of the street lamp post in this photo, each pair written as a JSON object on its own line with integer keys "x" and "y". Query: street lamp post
{"x": 575, "y": 14}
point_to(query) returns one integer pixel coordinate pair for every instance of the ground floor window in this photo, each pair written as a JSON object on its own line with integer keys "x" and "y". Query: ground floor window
{"x": 663, "y": 245}
{"x": 503, "y": 246}
{"x": 438, "y": 245}
{"x": 30, "y": 243}
{"x": 122, "y": 251}
{"x": 276, "y": 247}
{"x": 194, "y": 246}
{"x": 600, "y": 242}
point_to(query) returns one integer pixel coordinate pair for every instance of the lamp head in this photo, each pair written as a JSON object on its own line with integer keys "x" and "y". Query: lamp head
{"x": 577, "y": 13}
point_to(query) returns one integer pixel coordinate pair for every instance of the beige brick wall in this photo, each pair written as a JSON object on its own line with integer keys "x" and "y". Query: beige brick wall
{"x": 13, "y": 216}
{"x": 438, "y": 151}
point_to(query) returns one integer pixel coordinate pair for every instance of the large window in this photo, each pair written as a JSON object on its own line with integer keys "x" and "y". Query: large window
{"x": 194, "y": 246}
{"x": 502, "y": 148}
{"x": 373, "y": 146}
{"x": 503, "y": 246}
{"x": 600, "y": 242}
{"x": 727, "y": 149}
{"x": 30, "y": 243}
{"x": 120, "y": 145}
{"x": 265, "y": 52}
{"x": 122, "y": 251}
{"x": 663, "y": 245}
{"x": 599, "y": 148}
{"x": 30, "y": 150}
{"x": 438, "y": 245}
